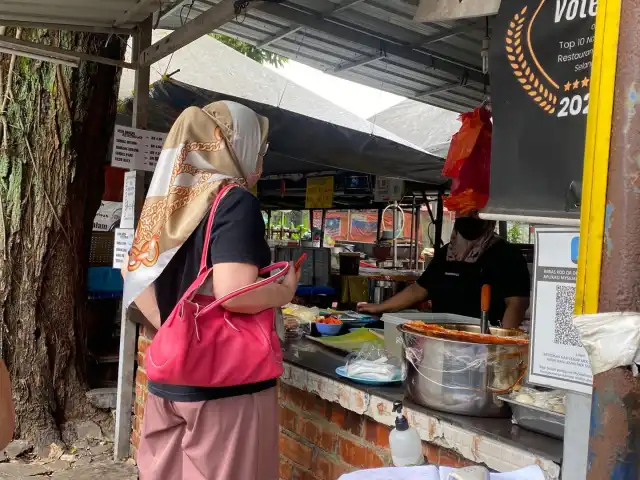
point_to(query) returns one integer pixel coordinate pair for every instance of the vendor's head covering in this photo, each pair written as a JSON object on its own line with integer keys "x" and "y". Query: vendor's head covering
{"x": 205, "y": 149}
{"x": 462, "y": 250}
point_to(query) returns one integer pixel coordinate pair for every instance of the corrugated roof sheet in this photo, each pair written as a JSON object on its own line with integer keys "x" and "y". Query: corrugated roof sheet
{"x": 87, "y": 13}
{"x": 373, "y": 42}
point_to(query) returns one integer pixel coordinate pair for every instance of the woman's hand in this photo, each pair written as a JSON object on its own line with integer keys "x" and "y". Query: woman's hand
{"x": 291, "y": 281}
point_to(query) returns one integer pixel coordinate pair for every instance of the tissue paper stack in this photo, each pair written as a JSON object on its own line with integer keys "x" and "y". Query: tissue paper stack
{"x": 432, "y": 472}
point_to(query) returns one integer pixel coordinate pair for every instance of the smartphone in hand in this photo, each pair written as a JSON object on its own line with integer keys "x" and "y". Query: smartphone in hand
{"x": 300, "y": 261}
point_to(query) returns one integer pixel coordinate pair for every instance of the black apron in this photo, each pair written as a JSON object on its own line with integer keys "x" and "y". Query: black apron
{"x": 459, "y": 287}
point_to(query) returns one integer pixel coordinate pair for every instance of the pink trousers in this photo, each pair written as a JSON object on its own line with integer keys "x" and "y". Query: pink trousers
{"x": 228, "y": 439}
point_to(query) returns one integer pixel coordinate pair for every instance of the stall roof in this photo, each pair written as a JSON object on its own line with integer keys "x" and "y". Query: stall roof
{"x": 91, "y": 15}
{"x": 299, "y": 144}
{"x": 372, "y": 42}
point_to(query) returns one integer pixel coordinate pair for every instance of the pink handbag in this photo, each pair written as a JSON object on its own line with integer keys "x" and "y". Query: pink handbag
{"x": 201, "y": 344}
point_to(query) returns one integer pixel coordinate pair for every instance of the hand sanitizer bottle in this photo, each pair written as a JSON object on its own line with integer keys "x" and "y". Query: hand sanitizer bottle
{"x": 406, "y": 446}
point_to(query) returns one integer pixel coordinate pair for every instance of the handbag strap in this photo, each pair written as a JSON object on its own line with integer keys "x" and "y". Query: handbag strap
{"x": 199, "y": 281}
{"x": 204, "y": 272}
{"x": 284, "y": 269}
{"x": 207, "y": 236}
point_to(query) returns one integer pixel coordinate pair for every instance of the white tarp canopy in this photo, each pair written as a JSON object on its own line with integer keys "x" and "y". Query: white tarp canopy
{"x": 209, "y": 64}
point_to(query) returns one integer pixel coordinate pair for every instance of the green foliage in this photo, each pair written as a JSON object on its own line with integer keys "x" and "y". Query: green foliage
{"x": 517, "y": 233}
{"x": 300, "y": 232}
{"x": 254, "y": 53}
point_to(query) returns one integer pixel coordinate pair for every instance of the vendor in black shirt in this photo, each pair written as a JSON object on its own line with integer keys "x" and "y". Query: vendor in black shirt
{"x": 453, "y": 280}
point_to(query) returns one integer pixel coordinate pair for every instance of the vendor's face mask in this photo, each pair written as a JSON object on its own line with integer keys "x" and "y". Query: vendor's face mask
{"x": 470, "y": 228}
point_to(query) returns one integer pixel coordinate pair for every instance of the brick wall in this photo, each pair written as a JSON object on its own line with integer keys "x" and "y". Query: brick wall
{"x": 141, "y": 392}
{"x": 319, "y": 440}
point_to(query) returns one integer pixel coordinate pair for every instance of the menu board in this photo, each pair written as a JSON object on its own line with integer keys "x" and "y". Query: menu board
{"x": 136, "y": 149}
{"x": 122, "y": 245}
{"x": 127, "y": 148}
{"x": 153, "y": 143}
{"x": 540, "y": 67}
{"x": 319, "y": 192}
{"x": 557, "y": 357}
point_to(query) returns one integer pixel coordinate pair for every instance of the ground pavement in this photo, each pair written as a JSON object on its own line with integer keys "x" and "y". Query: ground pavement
{"x": 88, "y": 458}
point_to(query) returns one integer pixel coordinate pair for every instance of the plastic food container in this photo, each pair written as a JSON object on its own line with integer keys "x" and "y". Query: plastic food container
{"x": 392, "y": 320}
{"x": 535, "y": 418}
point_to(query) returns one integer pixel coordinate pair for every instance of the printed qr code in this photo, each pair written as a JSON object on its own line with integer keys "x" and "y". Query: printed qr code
{"x": 565, "y": 332}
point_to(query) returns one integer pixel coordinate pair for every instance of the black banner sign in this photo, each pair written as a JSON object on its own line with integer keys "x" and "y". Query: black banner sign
{"x": 540, "y": 64}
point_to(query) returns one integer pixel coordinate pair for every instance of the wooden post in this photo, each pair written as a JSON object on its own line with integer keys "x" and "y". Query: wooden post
{"x": 129, "y": 329}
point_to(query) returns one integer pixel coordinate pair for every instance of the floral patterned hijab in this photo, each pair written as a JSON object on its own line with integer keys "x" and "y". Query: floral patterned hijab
{"x": 205, "y": 149}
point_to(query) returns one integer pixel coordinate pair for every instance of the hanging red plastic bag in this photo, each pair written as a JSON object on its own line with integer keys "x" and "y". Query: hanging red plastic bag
{"x": 471, "y": 174}
{"x": 463, "y": 142}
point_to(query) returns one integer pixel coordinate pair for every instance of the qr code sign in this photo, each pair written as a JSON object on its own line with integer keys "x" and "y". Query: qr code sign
{"x": 565, "y": 332}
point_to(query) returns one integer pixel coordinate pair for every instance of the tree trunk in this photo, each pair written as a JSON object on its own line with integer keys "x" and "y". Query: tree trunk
{"x": 55, "y": 126}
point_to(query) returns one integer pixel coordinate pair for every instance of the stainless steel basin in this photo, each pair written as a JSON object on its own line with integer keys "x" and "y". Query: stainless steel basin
{"x": 461, "y": 377}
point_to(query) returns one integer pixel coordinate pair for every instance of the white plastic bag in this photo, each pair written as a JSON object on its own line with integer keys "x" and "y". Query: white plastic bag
{"x": 610, "y": 339}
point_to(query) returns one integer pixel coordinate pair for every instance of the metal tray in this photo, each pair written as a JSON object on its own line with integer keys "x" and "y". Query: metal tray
{"x": 535, "y": 418}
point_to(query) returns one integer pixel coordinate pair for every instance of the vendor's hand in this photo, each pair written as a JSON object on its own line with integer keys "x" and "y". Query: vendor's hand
{"x": 291, "y": 280}
{"x": 370, "y": 308}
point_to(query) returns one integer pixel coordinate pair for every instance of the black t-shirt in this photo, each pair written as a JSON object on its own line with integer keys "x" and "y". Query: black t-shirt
{"x": 237, "y": 236}
{"x": 455, "y": 287}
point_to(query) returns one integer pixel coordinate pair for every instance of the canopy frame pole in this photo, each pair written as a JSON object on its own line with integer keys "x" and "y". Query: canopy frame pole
{"x": 269, "y": 224}
{"x": 413, "y": 225}
{"x": 394, "y": 242}
{"x": 212, "y": 19}
{"x": 128, "y": 328}
{"x": 416, "y": 258}
{"x": 438, "y": 222}
{"x": 324, "y": 220}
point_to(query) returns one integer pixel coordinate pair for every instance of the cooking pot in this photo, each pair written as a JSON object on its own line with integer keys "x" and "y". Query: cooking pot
{"x": 462, "y": 377}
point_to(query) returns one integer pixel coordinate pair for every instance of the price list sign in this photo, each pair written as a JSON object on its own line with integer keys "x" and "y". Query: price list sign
{"x": 123, "y": 242}
{"x": 127, "y": 148}
{"x": 136, "y": 149}
{"x": 319, "y": 192}
{"x": 128, "y": 200}
{"x": 153, "y": 148}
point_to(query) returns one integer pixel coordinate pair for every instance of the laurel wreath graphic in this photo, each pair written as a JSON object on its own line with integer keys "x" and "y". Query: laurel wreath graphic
{"x": 536, "y": 88}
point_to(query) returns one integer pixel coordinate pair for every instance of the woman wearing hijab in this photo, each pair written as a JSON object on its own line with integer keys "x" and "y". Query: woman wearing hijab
{"x": 190, "y": 432}
{"x": 453, "y": 280}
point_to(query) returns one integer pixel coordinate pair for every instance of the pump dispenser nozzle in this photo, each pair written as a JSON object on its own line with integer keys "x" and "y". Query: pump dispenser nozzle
{"x": 401, "y": 421}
